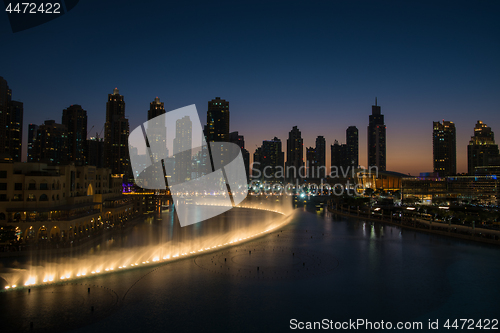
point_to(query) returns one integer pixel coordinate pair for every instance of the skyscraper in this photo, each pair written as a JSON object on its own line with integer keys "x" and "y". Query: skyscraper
{"x": 345, "y": 157}
{"x": 95, "y": 151}
{"x": 32, "y": 133}
{"x": 257, "y": 164}
{"x": 157, "y": 131}
{"x": 156, "y": 108}
{"x": 338, "y": 156}
{"x": 11, "y": 125}
{"x": 272, "y": 160}
{"x": 51, "y": 144}
{"x": 218, "y": 120}
{"x": 311, "y": 162}
{"x": 352, "y": 146}
{"x": 116, "y": 131}
{"x": 235, "y": 138}
{"x": 320, "y": 151}
{"x": 376, "y": 139}
{"x": 294, "y": 154}
{"x": 182, "y": 149}
{"x": 482, "y": 150}
{"x": 75, "y": 120}
{"x": 444, "y": 145}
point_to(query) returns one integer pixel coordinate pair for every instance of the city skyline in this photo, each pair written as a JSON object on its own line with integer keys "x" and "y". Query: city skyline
{"x": 130, "y": 196}
{"x": 147, "y": 114}
{"x": 319, "y": 67}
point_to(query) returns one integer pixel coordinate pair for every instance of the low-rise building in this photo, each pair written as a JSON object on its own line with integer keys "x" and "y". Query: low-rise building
{"x": 469, "y": 189}
{"x": 61, "y": 203}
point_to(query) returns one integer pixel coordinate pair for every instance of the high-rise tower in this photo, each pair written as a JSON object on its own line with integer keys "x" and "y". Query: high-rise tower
{"x": 482, "y": 150}
{"x": 377, "y": 139}
{"x": 75, "y": 120}
{"x": 235, "y": 138}
{"x": 352, "y": 146}
{"x": 32, "y": 134}
{"x": 294, "y": 154}
{"x": 157, "y": 131}
{"x": 320, "y": 157}
{"x": 11, "y": 125}
{"x": 51, "y": 144}
{"x": 218, "y": 120}
{"x": 444, "y": 145}
{"x": 116, "y": 131}
{"x": 182, "y": 145}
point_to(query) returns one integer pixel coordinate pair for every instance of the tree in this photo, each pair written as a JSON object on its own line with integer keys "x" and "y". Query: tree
{"x": 7, "y": 234}
{"x": 369, "y": 192}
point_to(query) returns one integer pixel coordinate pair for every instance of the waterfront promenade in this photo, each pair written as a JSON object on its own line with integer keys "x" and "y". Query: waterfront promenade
{"x": 490, "y": 236}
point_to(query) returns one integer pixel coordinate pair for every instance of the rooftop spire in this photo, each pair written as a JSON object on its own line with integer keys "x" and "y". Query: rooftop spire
{"x": 375, "y": 101}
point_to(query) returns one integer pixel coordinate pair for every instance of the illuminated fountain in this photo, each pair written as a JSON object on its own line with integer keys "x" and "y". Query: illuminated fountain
{"x": 206, "y": 181}
{"x": 157, "y": 240}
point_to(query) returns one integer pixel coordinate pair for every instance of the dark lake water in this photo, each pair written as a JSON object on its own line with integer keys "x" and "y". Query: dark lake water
{"x": 317, "y": 267}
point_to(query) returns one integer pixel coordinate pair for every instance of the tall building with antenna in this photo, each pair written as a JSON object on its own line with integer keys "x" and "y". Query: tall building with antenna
{"x": 377, "y": 139}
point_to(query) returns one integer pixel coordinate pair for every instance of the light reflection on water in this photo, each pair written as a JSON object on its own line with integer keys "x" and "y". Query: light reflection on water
{"x": 158, "y": 238}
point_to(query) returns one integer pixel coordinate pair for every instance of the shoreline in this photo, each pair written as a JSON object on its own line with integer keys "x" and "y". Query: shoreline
{"x": 412, "y": 225}
{"x": 82, "y": 244}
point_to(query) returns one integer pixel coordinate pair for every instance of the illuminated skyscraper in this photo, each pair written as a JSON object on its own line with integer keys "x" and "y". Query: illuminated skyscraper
{"x": 116, "y": 131}
{"x": 218, "y": 120}
{"x": 11, "y": 125}
{"x": 272, "y": 160}
{"x": 75, "y": 120}
{"x": 444, "y": 144}
{"x": 377, "y": 139}
{"x": 51, "y": 144}
{"x": 182, "y": 149}
{"x": 32, "y": 133}
{"x": 482, "y": 150}
{"x": 95, "y": 151}
{"x": 157, "y": 131}
{"x": 156, "y": 108}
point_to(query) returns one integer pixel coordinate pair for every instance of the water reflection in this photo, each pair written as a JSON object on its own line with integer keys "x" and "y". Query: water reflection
{"x": 157, "y": 238}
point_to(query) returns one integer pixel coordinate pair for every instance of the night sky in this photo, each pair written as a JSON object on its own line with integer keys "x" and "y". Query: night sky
{"x": 317, "y": 65}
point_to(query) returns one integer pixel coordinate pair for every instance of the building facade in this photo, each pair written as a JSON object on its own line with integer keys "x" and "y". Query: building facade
{"x": 116, "y": 132}
{"x": 462, "y": 189}
{"x": 377, "y": 139}
{"x": 352, "y": 146}
{"x": 218, "y": 120}
{"x": 32, "y": 133}
{"x": 444, "y": 144}
{"x": 61, "y": 203}
{"x": 345, "y": 157}
{"x": 482, "y": 150}
{"x": 11, "y": 125}
{"x": 75, "y": 119}
{"x": 294, "y": 154}
{"x": 51, "y": 144}
{"x": 239, "y": 140}
{"x": 320, "y": 157}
